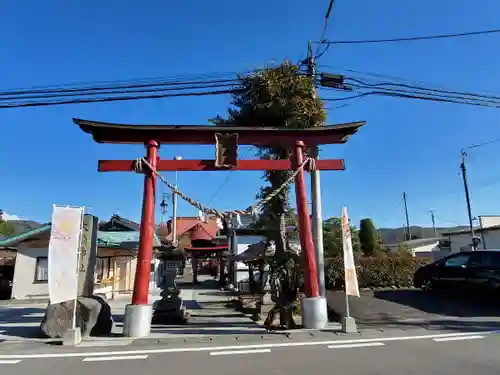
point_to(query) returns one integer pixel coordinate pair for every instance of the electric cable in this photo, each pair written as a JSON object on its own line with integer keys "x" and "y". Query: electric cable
{"x": 412, "y": 38}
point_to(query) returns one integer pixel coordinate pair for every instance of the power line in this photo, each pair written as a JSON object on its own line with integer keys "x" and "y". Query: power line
{"x": 419, "y": 96}
{"x": 323, "y": 32}
{"x": 483, "y": 143}
{"x": 404, "y": 90}
{"x": 407, "y": 82}
{"x": 375, "y": 74}
{"x": 411, "y": 39}
{"x": 228, "y": 175}
{"x": 118, "y": 92}
{"x": 112, "y": 99}
{"x": 113, "y": 83}
{"x": 327, "y": 16}
{"x": 94, "y": 90}
{"x": 219, "y": 188}
{"x": 420, "y": 87}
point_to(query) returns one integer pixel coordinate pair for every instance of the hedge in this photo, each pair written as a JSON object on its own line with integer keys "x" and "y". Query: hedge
{"x": 375, "y": 272}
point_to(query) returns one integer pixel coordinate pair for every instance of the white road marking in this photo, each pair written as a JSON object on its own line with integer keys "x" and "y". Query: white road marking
{"x": 444, "y": 339}
{"x": 360, "y": 345}
{"x": 11, "y": 362}
{"x": 236, "y": 347}
{"x": 229, "y": 352}
{"x": 115, "y": 358}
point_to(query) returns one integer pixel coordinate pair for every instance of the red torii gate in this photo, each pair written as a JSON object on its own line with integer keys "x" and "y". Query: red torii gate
{"x": 138, "y": 317}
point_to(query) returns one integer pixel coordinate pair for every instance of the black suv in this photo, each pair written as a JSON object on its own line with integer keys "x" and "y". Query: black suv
{"x": 473, "y": 273}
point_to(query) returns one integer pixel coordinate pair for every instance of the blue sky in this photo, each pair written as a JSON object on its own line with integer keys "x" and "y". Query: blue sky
{"x": 406, "y": 145}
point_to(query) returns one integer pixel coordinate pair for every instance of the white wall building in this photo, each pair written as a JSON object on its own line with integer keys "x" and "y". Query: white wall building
{"x": 489, "y": 236}
{"x": 424, "y": 247}
{"x": 238, "y": 244}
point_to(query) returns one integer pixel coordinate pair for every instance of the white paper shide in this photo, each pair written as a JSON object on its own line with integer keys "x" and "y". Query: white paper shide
{"x": 351, "y": 279}
{"x": 63, "y": 253}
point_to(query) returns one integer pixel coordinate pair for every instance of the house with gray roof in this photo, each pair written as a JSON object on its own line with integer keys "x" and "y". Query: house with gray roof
{"x": 434, "y": 248}
{"x": 117, "y": 244}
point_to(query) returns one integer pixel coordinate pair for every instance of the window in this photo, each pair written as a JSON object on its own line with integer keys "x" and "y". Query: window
{"x": 42, "y": 270}
{"x": 457, "y": 261}
{"x": 478, "y": 259}
{"x": 494, "y": 259}
{"x": 488, "y": 259}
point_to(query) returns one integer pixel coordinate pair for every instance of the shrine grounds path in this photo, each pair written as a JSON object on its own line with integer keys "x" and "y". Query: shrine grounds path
{"x": 384, "y": 318}
{"x": 461, "y": 354}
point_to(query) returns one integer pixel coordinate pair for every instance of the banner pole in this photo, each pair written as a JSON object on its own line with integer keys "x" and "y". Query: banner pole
{"x": 78, "y": 252}
{"x": 347, "y": 314}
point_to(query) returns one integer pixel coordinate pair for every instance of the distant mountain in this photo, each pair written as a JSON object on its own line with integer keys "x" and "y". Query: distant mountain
{"x": 21, "y": 226}
{"x": 395, "y": 235}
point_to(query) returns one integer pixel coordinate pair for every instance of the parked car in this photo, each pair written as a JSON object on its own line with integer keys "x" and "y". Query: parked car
{"x": 473, "y": 273}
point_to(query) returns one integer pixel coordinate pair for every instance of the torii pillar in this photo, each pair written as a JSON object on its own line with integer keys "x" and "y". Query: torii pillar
{"x": 138, "y": 315}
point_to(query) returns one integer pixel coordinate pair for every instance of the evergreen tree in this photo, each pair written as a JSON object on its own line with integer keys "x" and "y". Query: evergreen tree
{"x": 332, "y": 237}
{"x": 278, "y": 97}
{"x": 6, "y": 228}
{"x": 369, "y": 238}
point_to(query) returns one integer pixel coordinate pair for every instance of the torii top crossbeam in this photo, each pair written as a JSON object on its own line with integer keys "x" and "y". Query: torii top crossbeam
{"x": 103, "y": 132}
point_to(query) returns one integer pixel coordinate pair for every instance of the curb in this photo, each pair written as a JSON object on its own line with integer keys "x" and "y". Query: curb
{"x": 23, "y": 302}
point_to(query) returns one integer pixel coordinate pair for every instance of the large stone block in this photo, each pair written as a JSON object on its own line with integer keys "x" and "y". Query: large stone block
{"x": 93, "y": 317}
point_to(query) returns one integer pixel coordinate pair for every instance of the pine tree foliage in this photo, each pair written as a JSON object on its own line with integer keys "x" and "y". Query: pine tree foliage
{"x": 280, "y": 97}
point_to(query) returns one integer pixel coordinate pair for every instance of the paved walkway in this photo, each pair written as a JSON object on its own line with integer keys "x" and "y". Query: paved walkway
{"x": 205, "y": 302}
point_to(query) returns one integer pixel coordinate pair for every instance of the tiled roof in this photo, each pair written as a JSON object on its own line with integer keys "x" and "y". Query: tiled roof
{"x": 121, "y": 239}
{"x": 200, "y": 230}
{"x": 121, "y": 222}
{"x": 476, "y": 230}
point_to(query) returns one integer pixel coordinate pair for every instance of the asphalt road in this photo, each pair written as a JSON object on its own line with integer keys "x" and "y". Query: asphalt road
{"x": 462, "y": 354}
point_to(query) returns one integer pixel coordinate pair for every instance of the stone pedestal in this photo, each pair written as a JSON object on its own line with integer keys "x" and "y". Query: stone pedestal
{"x": 170, "y": 309}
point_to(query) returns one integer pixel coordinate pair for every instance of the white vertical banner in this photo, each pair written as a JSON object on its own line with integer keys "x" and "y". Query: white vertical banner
{"x": 351, "y": 279}
{"x": 64, "y": 248}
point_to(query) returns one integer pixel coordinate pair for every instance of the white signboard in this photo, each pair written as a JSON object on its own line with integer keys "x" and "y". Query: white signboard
{"x": 63, "y": 253}
{"x": 351, "y": 279}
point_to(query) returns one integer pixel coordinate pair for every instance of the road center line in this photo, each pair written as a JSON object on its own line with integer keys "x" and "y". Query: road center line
{"x": 360, "y": 345}
{"x": 444, "y": 339}
{"x": 11, "y": 362}
{"x": 115, "y": 358}
{"x": 229, "y": 352}
{"x": 236, "y": 347}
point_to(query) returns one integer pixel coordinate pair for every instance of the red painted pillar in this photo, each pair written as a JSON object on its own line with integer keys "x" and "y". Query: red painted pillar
{"x": 305, "y": 232}
{"x": 145, "y": 255}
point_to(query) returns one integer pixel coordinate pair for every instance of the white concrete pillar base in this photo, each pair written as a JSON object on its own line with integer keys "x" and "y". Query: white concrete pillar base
{"x": 349, "y": 325}
{"x": 72, "y": 337}
{"x": 314, "y": 313}
{"x": 137, "y": 321}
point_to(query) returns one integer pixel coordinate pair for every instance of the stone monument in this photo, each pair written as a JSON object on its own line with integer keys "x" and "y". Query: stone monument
{"x": 170, "y": 309}
{"x": 93, "y": 313}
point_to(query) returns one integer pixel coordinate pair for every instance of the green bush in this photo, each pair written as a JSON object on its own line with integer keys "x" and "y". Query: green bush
{"x": 375, "y": 272}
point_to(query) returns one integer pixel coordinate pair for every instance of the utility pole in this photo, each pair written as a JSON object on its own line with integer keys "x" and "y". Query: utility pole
{"x": 317, "y": 215}
{"x": 433, "y": 223}
{"x": 174, "y": 208}
{"x": 463, "y": 168}
{"x": 408, "y": 229}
